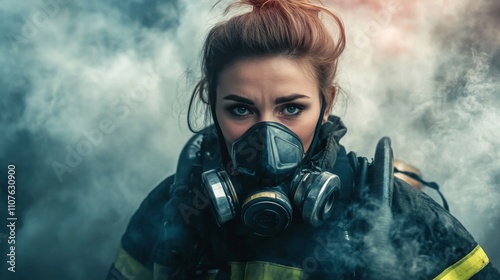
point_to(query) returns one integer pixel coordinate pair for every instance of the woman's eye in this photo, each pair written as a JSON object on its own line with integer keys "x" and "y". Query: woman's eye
{"x": 240, "y": 111}
{"x": 292, "y": 110}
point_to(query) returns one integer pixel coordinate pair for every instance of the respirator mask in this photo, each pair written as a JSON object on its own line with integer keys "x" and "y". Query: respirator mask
{"x": 268, "y": 183}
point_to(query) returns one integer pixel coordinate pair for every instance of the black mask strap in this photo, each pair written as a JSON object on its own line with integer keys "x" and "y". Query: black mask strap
{"x": 315, "y": 140}
{"x": 432, "y": 185}
{"x": 225, "y": 158}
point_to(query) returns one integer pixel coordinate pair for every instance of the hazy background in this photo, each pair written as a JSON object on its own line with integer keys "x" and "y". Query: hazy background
{"x": 94, "y": 97}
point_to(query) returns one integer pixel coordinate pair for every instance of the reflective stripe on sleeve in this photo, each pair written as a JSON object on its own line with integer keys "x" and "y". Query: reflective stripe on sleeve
{"x": 130, "y": 268}
{"x": 465, "y": 268}
{"x": 264, "y": 270}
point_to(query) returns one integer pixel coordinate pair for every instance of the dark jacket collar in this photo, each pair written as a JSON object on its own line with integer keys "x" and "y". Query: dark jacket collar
{"x": 326, "y": 151}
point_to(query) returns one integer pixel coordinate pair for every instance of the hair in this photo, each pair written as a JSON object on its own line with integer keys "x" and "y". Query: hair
{"x": 289, "y": 28}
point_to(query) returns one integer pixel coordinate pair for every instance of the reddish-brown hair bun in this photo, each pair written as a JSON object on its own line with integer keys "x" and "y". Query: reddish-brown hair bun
{"x": 290, "y": 28}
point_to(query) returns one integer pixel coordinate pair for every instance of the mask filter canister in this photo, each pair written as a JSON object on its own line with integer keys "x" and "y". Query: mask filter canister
{"x": 267, "y": 176}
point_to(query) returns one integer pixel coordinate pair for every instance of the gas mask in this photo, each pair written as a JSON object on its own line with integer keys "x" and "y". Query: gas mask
{"x": 268, "y": 185}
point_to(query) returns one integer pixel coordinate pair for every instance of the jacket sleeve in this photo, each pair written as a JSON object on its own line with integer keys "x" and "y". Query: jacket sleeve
{"x": 430, "y": 241}
{"x": 134, "y": 259}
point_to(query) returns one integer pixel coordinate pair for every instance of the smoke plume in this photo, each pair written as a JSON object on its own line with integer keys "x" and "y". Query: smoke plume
{"x": 94, "y": 99}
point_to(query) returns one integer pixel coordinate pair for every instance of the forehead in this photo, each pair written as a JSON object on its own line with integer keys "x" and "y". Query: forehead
{"x": 268, "y": 71}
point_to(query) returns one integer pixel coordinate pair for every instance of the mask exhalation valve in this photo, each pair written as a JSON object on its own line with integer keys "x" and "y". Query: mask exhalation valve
{"x": 268, "y": 178}
{"x": 267, "y": 212}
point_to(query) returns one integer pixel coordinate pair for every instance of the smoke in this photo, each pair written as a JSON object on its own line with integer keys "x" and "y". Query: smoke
{"x": 95, "y": 96}
{"x": 426, "y": 74}
{"x": 93, "y": 117}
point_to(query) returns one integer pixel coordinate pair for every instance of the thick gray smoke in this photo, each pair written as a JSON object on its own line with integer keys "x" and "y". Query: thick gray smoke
{"x": 94, "y": 96}
{"x": 427, "y": 74}
{"x": 93, "y": 110}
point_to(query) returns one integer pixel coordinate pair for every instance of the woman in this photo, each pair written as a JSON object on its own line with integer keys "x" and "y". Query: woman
{"x": 285, "y": 200}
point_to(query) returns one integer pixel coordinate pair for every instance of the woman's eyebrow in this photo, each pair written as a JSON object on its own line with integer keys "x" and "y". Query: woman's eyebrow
{"x": 238, "y": 98}
{"x": 279, "y": 100}
{"x": 289, "y": 98}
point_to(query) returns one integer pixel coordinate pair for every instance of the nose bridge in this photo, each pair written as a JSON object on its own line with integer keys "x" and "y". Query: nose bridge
{"x": 267, "y": 115}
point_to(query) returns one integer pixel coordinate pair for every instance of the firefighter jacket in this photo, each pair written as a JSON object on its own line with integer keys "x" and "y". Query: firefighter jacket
{"x": 415, "y": 239}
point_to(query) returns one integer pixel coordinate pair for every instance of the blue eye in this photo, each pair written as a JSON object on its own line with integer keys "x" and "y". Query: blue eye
{"x": 292, "y": 110}
{"x": 239, "y": 111}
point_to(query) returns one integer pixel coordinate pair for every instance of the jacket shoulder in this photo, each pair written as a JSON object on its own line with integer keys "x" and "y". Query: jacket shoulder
{"x": 430, "y": 241}
{"x": 141, "y": 233}
{"x": 134, "y": 259}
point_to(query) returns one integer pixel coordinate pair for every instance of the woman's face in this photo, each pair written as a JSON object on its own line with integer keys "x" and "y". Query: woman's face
{"x": 275, "y": 89}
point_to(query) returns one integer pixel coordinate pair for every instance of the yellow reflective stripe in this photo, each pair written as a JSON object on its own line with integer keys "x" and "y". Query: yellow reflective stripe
{"x": 130, "y": 268}
{"x": 212, "y": 275}
{"x": 160, "y": 272}
{"x": 466, "y": 267}
{"x": 264, "y": 271}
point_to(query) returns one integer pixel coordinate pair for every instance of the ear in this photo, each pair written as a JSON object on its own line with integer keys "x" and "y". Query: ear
{"x": 330, "y": 94}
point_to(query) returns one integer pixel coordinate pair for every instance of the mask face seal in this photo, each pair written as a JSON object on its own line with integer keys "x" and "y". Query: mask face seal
{"x": 267, "y": 175}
